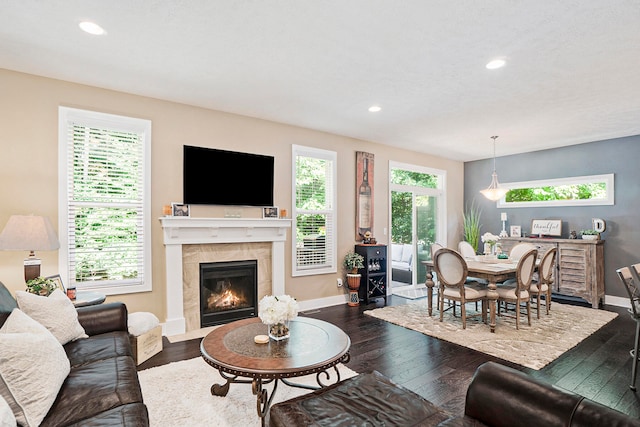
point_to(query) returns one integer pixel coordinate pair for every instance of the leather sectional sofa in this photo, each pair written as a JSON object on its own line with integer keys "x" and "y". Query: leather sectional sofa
{"x": 102, "y": 387}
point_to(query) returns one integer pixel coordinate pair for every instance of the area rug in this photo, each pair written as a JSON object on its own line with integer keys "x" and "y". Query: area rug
{"x": 415, "y": 293}
{"x": 533, "y": 346}
{"x": 179, "y": 394}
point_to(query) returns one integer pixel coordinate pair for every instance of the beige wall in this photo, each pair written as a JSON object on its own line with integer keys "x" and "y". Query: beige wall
{"x": 29, "y": 172}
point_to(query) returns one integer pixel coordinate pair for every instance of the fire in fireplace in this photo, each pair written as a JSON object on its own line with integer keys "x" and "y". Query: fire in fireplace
{"x": 228, "y": 291}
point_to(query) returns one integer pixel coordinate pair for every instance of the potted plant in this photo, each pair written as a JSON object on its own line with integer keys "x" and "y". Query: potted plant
{"x": 471, "y": 225}
{"x": 352, "y": 262}
{"x": 41, "y": 286}
{"x": 590, "y": 234}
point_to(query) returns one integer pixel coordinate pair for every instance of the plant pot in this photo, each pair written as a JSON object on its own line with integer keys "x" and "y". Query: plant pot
{"x": 353, "y": 282}
{"x": 590, "y": 237}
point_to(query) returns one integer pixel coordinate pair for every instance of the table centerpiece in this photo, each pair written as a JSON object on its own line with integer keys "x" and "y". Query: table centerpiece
{"x": 276, "y": 312}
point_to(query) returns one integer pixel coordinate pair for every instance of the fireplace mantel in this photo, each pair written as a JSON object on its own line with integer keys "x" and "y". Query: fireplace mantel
{"x": 178, "y": 231}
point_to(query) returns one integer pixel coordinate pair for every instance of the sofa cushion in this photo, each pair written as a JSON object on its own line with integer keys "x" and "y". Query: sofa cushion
{"x": 99, "y": 347}
{"x": 93, "y": 388}
{"x": 407, "y": 253}
{"x": 396, "y": 252}
{"x": 397, "y": 265}
{"x": 130, "y": 415}
{"x": 33, "y": 366}
{"x": 55, "y": 312}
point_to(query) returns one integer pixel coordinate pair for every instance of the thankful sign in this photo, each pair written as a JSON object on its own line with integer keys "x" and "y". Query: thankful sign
{"x": 547, "y": 227}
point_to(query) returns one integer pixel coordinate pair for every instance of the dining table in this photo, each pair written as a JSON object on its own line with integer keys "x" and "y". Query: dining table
{"x": 491, "y": 269}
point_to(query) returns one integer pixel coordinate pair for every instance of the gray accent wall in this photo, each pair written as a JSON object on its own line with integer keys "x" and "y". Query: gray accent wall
{"x": 619, "y": 156}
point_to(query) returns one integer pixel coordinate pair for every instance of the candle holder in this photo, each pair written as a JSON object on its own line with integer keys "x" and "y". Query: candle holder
{"x": 503, "y": 218}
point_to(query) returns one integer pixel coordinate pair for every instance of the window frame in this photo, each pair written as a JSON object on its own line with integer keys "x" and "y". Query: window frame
{"x": 608, "y": 179}
{"x": 331, "y": 248}
{"x": 121, "y": 123}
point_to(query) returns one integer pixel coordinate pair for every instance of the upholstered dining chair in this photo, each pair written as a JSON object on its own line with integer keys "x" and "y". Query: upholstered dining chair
{"x": 545, "y": 280}
{"x": 516, "y": 253}
{"x": 434, "y": 248}
{"x": 451, "y": 269}
{"x": 520, "y": 249}
{"x": 633, "y": 291}
{"x": 466, "y": 250}
{"x": 519, "y": 293}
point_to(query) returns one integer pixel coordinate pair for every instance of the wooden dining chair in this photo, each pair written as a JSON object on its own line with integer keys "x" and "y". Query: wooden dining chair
{"x": 519, "y": 293}
{"x": 545, "y": 280}
{"x": 633, "y": 291}
{"x": 465, "y": 249}
{"x": 516, "y": 253}
{"x": 519, "y": 250}
{"x": 452, "y": 270}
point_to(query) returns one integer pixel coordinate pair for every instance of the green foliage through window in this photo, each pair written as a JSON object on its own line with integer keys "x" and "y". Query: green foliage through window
{"x": 105, "y": 169}
{"x": 576, "y": 191}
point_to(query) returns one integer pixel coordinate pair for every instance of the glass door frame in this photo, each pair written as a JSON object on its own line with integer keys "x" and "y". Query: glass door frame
{"x": 441, "y": 222}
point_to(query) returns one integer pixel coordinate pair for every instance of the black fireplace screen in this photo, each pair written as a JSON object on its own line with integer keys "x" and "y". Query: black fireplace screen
{"x": 228, "y": 291}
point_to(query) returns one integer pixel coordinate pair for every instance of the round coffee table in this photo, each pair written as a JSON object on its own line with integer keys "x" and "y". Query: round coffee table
{"x": 314, "y": 347}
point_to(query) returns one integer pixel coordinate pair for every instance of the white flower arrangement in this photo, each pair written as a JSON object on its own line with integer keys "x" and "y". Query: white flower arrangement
{"x": 273, "y": 309}
{"x": 489, "y": 238}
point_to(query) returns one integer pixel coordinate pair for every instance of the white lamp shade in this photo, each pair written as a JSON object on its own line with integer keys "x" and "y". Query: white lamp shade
{"x": 494, "y": 192}
{"x": 29, "y": 233}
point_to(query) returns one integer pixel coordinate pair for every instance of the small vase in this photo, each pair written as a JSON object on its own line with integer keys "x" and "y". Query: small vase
{"x": 279, "y": 331}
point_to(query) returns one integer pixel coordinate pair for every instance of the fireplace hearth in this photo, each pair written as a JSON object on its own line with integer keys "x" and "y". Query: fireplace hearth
{"x": 228, "y": 291}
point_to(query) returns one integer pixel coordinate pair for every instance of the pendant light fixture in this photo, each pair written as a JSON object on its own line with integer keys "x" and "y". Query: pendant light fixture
{"x": 494, "y": 192}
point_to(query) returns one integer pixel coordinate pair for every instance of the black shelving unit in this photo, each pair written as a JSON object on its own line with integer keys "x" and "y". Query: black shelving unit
{"x": 373, "y": 283}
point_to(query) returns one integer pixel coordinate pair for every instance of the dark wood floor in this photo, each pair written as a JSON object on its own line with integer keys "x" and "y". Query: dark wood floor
{"x": 598, "y": 368}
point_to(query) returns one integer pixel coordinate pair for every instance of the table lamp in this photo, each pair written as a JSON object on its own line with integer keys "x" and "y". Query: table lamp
{"x": 29, "y": 233}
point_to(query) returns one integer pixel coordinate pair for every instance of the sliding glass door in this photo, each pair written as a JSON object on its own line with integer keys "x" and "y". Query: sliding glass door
{"x": 417, "y": 221}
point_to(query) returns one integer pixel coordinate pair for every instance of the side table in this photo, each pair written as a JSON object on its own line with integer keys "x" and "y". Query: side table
{"x": 85, "y": 298}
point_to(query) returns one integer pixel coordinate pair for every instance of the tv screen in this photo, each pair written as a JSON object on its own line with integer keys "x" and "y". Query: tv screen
{"x": 219, "y": 177}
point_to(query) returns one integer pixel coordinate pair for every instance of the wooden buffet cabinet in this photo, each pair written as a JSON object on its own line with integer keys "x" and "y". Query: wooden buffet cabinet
{"x": 579, "y": 265}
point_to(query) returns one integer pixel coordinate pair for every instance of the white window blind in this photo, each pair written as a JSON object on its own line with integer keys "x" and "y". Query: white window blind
{"x": 314, "y": 175}
{"x": 105, "y": 211}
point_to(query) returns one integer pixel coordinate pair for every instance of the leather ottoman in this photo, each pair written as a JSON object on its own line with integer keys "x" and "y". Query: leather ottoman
{"x": 366, "y": 399}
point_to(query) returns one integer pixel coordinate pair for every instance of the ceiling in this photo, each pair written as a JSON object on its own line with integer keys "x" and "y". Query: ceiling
{"x": 572, "y": 73}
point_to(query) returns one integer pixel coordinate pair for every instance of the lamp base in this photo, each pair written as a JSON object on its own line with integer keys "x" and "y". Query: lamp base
{"x": 31, "y": 268}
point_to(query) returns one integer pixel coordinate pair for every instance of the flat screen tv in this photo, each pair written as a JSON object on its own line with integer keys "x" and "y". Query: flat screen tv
{"x": 220, "y": 177}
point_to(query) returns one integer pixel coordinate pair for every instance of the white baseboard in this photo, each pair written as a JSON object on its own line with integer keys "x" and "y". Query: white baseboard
{"x": 315, "y": 304}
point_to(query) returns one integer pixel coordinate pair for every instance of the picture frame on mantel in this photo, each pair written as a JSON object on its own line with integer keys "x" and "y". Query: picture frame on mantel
{"x": 546, "y": 227}
{"x": 270, "y": 212}
{"x": 180, "y": 209}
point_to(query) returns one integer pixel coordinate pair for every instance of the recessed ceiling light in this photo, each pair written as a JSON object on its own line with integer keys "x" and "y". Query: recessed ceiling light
{"x": 375, "y": 108}
{"x": 496, "y": 63}
{"x": 91, "y": 28}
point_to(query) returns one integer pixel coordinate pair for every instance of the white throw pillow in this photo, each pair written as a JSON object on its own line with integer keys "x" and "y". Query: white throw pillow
{"x": 55, "y": 312}
{"x": 33, "y": 366}
{"x": 141, "y": 322}
{"x": 7, "y": 419}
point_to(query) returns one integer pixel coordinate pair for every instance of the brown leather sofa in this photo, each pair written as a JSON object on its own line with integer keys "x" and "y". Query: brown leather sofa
{"x": 498, "y": 396}
{"x": 102, "y": 387}
{"x": 501, "y": 396}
